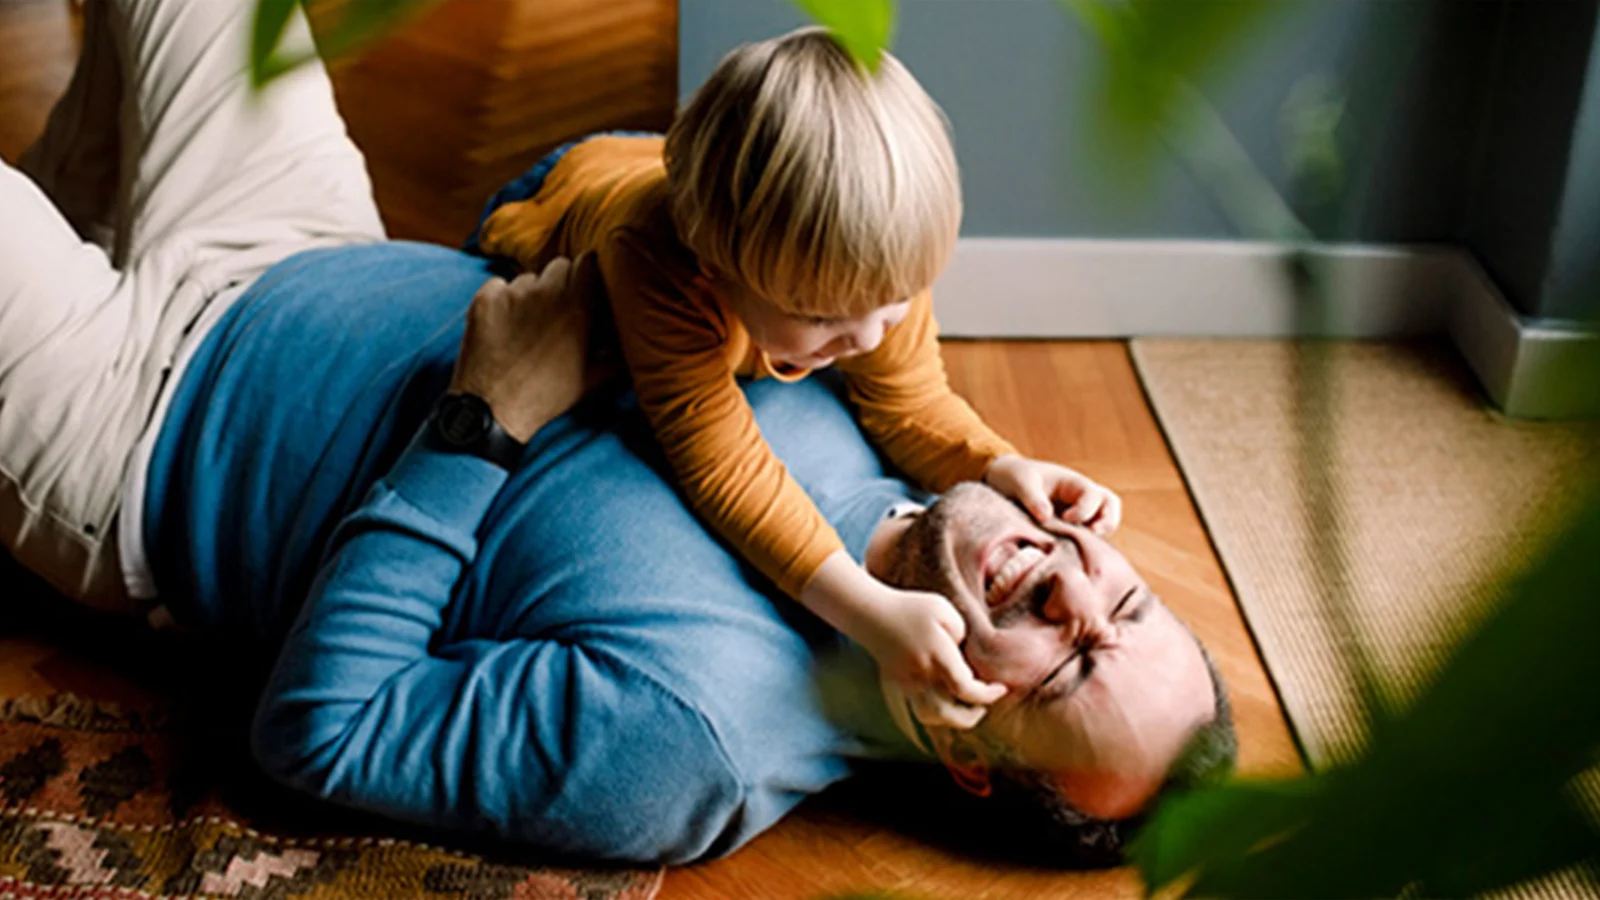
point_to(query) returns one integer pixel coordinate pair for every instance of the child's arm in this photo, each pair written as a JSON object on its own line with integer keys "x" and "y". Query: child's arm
{"x": 675, "y": 350}
{"x": 907, "y": 407}
{"x": 674, "y": 344}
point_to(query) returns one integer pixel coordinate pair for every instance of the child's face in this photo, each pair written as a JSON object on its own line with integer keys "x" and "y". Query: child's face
{"x": 808, "y": 342}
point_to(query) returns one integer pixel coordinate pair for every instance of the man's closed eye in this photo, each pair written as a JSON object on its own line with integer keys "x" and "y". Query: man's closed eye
{"x": 1133, "y": 605}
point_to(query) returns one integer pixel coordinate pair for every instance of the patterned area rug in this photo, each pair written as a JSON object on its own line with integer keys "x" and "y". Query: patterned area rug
{"x": 104, "y": 805}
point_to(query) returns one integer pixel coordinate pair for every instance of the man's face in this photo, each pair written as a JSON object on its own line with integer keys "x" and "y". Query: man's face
{"x": 1106, "y": 685}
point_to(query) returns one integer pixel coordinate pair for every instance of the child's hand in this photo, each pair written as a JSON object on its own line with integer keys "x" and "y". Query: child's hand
{"x": 915, "y": 637}
{"x": 1054, "y": 494}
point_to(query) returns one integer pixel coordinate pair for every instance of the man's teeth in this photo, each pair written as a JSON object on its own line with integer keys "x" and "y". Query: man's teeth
{"x": 1012, "y": 570}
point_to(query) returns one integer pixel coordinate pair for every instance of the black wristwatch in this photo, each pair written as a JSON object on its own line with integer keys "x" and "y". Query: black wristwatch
{"x": 463, "y": 423}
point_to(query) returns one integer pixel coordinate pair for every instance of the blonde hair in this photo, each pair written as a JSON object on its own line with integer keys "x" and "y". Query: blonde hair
{"x": 825, "y": 189}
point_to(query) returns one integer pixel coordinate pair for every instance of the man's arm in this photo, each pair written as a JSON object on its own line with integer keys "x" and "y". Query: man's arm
{"x": 498, "y": 737}
{"x": 493, "y": 737}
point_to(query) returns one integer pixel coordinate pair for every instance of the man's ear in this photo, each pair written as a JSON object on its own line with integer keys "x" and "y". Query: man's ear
{"x": 963, "y": 757}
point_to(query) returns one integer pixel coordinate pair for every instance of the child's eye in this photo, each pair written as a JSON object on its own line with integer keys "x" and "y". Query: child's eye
{"x": 818, "y": 320}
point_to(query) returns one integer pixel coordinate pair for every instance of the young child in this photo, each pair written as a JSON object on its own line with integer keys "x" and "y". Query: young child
{"x": 794, "y": 219}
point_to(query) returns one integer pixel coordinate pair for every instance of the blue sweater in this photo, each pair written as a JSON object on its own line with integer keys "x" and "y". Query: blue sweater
{"x": 564, "y": 657}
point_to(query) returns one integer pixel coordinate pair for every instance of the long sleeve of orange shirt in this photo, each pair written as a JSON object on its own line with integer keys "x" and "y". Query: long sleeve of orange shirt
{"x": 684, "y": 351}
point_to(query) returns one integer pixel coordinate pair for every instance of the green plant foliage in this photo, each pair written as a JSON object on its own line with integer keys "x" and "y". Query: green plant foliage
{"x": 1153, "y": 51}
{"x": 863, "y": 27}
{"x": 266, "y": 63}
{"x": 364, "y": 21}
{"x": 1467, "y": 791}
{"x": 1470, "y": 789}
{"x": 1310, "y": 123}
{"x": 359, "y": 22}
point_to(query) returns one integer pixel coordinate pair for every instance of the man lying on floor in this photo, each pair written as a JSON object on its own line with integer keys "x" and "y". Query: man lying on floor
{"x": 219, "y": 404}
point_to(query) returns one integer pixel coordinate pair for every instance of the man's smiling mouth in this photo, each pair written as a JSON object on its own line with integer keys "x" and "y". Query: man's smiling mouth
{"x": 1006, "y": 567}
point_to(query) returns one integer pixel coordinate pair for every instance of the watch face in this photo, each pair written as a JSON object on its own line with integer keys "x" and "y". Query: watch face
{"x": 463, "y": 419}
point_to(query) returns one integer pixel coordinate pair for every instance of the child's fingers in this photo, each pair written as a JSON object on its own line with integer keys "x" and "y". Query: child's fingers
{"x": 1110, "y": 518}
{"x": 1095, "y": 504}
{"x": 1099, "y": 510}
{"x": 959, "y": 681}
{"x": 979, "y": 693}
{"x": 1059, "y": 528}
{"x": 1084, "y": 508}
{"x": 934, "y": 708}
{"x": 1037, "y": 503}
{"x": 950, "y": 621}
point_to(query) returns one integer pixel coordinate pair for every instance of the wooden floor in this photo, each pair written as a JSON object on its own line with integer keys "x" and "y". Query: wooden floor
{"x": 1076, "y": 402}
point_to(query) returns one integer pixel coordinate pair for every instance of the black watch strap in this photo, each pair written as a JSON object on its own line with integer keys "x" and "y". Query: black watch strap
{"x": 463, "y": 423}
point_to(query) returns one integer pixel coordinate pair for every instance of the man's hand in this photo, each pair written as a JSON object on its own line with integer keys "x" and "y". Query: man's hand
{"x": 524, "y": 347}
{"x": 915, "y": 637}
{"x": 1055, "y": 494}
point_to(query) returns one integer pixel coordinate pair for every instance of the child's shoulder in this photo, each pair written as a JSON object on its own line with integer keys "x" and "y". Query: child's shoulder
{"x": 614, "y": 189}
{"x": 645, "y": 227}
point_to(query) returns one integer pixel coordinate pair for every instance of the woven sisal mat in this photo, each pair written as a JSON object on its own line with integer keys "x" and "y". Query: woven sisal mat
{"x": 1438, "y": 494}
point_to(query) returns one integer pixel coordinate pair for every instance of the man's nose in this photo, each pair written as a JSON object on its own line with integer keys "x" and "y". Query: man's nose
{"x": 1074, "y": 603}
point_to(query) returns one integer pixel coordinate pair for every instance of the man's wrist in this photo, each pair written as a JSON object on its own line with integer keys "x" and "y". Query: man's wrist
{"x": 454, "y": 489}
{"x": 465, "y": 423}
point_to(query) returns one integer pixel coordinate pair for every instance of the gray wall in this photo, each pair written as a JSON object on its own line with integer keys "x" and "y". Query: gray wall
{"x": 1447, "y": 141}
{"x": 1572, "y": 285}
{"x": 1015, "y": 77}
{"x": 1526, "y": 152}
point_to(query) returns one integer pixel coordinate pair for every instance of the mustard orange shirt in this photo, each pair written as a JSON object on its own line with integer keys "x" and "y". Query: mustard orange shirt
{"x": 684, "y": 349}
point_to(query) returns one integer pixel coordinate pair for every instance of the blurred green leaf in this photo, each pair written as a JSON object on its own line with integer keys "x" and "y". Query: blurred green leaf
{"x": 272, "y": 17}
{"x": 863, "y": 27}
{"x": 1362, "y": 839}
{"x": 358, "y": 23}
{"x": 1192, "y": 37}
{"x": 1103, "y": 20}
{"x": 364, "y": 21}
{"x": 1152, "y": 51}
{"x": 1311, "y": 116}
{"x": 1467, "y": 791}
{"x": 1513, "y": 709}
{"x": 1527, "y": 837}
{"x": 1204, "y": 825}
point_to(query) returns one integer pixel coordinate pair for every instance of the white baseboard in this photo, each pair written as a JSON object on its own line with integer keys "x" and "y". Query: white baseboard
{"x": 1039, "y": 287}
{"x": 1532, "y": 368}
{"x": 1069, "y": 288}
